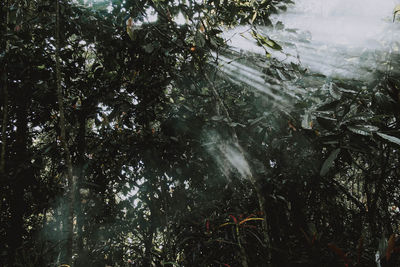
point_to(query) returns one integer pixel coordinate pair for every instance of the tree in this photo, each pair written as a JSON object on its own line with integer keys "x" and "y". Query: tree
{"x": 151, "y": 144}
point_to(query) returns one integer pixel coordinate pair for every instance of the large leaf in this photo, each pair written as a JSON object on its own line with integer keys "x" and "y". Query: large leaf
{"x": 334, "y": 91}
{"x": 199, "y": 39}
{"x": 328, "y": 106}
{"x": 390, "y": 138}
{"x": 363, "y": 129}
{"x": 327, "y": 123}
{"x": 329, "y": 162}
{"x": 262, "y": 40}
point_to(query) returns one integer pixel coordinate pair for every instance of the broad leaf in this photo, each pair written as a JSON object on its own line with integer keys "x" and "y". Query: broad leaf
{"x": 363, "y": 129}
{"x": 329, "y": 162}
{"x": 334, "y": 91}
{"x": 261, "y": 40}
{"x": 390, "y": 138}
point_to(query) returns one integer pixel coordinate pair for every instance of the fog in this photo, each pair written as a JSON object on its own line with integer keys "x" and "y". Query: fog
{"x": 337, "y": 38}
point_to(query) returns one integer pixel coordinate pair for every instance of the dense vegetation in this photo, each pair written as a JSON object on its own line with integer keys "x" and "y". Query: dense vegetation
{"x": 123, "y": 143}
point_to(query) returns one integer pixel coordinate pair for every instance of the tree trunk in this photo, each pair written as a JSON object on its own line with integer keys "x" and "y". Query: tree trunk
{"x": 23, "y": 174}
{"x": 4, "y": 126}
{"x": 4, "y": 97}
{"x": 147, "y": 248}
{"x": 80, "y": 173}
{"x": 5, "y": 104}
{"x": 64, "y": 144}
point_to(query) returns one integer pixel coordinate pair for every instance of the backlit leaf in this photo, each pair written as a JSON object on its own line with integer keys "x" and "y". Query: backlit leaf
{"x": 363, "y": 129}
{"x": 390, "y": 138}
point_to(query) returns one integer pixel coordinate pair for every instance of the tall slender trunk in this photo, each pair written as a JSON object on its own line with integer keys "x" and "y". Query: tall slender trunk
{"x": 243, "y": 254}
{"x": 5, "y": 104}
{"x": 4, "y": 97}
{"x": 148, "y": 245}
{"x": 148, "y": 239}
{"x": 80, "y": 173}
{"x": 17, "y": 202}
{"x": 371, "y": 208}
{"x": 169, "y": 248}
{"x": 21, "y": 159}
{"x": 262, "y": 202}
{"x": 64, "y": 144}
{"x": 4, "y": 126}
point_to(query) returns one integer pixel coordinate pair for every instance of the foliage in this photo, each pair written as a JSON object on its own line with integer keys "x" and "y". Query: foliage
{"x": 176, "y": 163}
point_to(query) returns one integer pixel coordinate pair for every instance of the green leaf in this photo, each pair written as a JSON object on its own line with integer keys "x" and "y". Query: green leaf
{"x": 47, "y": 149}
{"x": 255, "y": 121}
{"x": 327, "y": 123}
{"x": 234, "y": 124}
{"x": 328, "y": 106}
{"x": 330, "y": 139}
{"x": 334, "y": 91}
{"x": 98, "y": 72}
{"x": 199, "y": 39}
{"x": 279, "y": 25}
{"x": 329, "y": 162}
{"x": 390, "y": 138}
{"x": 261, "y": 40}
{"x": 214, "y": 41}
{"x": 148, "y": 48}
{"x": 363, "y": 129}
{"x": 217, "y": 118}
{"x": 254, "y": 17}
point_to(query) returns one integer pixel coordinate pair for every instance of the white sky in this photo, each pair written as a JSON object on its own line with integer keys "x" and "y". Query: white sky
{"x": 348, "y": 22}
{"x": 332, "y": 35}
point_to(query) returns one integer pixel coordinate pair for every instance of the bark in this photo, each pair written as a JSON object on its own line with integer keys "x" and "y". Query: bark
{"x": 5, "y": 105}
{"x": 148, "y": 239}
{"x": 168, "y": 251}
{"x": 4, "y": 127}
{"x": 80, "y": 173}
{"x": 147, "y": 248}
{"x": 370, "y": 208}
{"x": 17, "y": 202}
{"x": 243, "y": 254}
{"x": 64, "y": 144}
{"x": 21, "y": 160}
{"x": 4, "y": 96}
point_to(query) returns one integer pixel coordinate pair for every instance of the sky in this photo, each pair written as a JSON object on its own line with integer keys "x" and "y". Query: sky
{"x": 332, "y": 37}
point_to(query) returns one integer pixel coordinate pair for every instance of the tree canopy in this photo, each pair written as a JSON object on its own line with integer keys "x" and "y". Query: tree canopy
{"x": 131, "y": 137}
